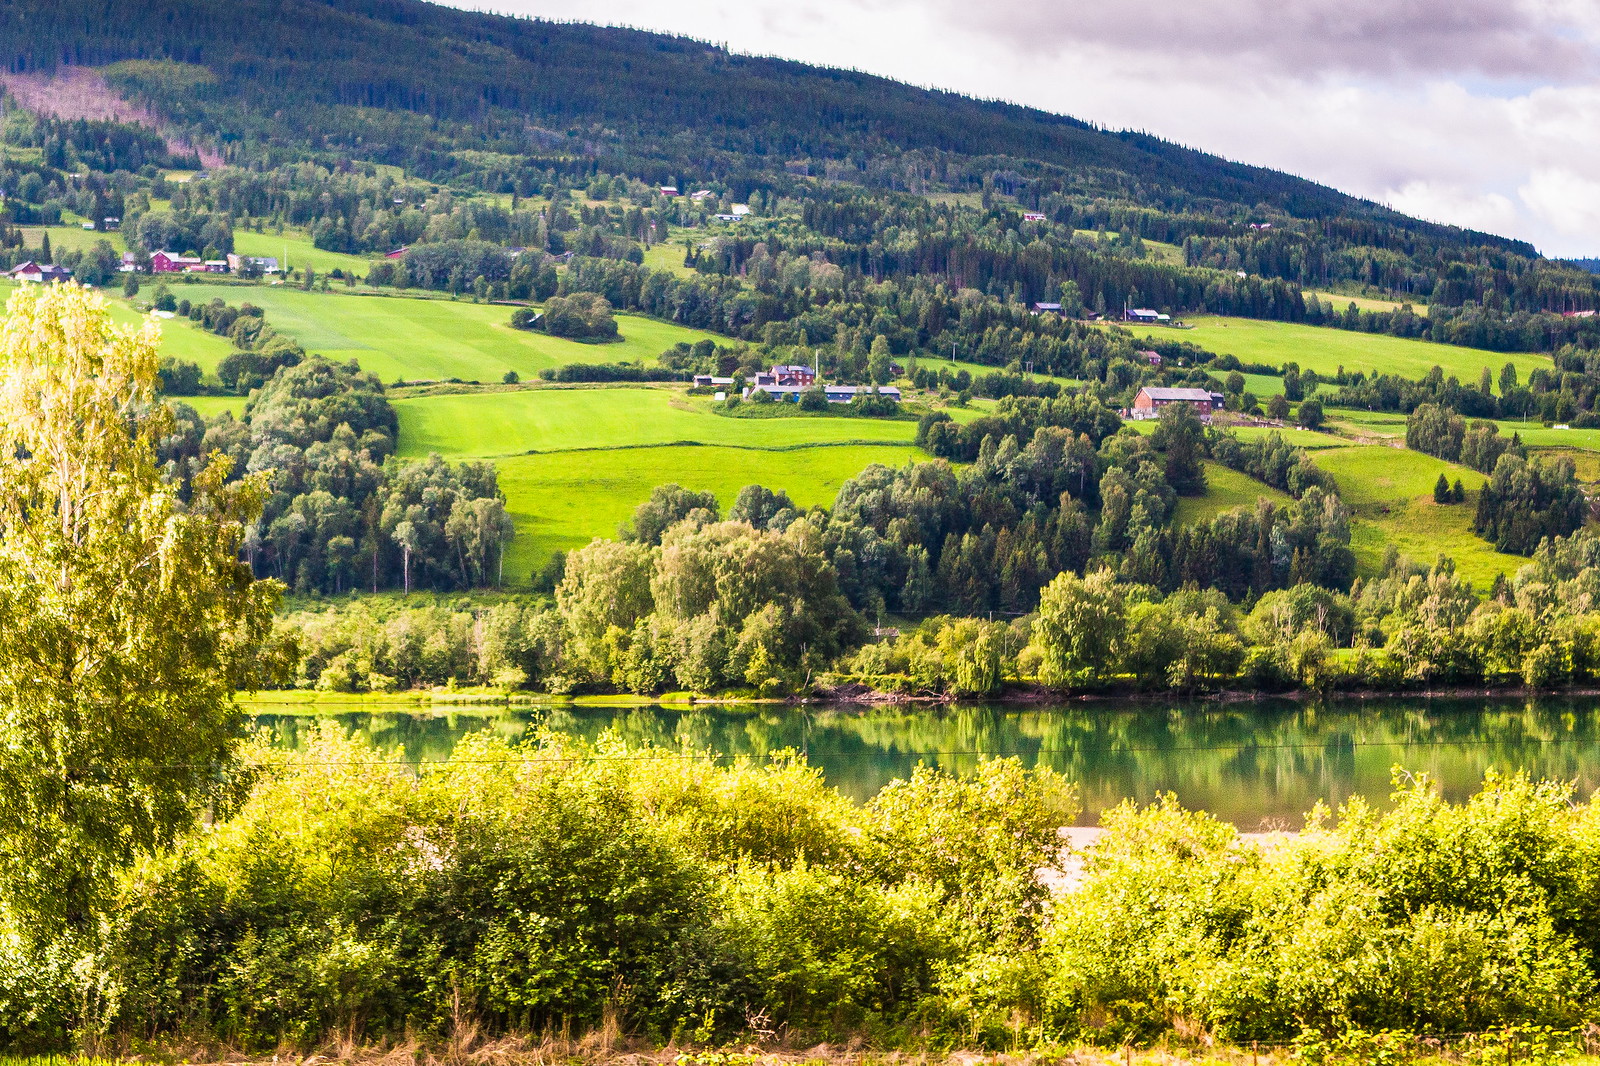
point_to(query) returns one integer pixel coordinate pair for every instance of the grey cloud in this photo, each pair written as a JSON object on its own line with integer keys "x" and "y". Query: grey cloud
{"x": 1492, "y": 39}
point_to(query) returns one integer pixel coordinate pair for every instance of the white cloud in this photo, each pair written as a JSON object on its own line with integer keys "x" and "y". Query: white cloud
{"x": 1568, "y": 203}
{"x": 1491, "y": 212}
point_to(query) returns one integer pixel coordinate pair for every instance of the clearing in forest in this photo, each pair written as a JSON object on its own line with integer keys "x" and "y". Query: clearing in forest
{"x": 1390, "y": 495}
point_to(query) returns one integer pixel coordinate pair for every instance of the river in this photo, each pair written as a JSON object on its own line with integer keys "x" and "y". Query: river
{"x": 1260, "y": 765}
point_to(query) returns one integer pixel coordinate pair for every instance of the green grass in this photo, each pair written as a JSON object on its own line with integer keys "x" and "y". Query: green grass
{"x": 1390, "y": 492}
{"x": 70, "y": 238}
{"x": 212, "y": 406}
{"x": 1325, "y": 349}
{"x": 1299, "y": 438}
{"x": 180, "y": 338}
{"x": 562, "y": 500}
{"x": 300, "y": 252}
{"x": 1308, "y": 439}
{"x": 1265, "y": 386}
{"x": 1392, "y": 424}
{"x": 416, "y": 339}
{"x": 1341, "y": 301}
{"x": 669, "y": 256}
{"x": 977, "y": 370}
{"x": 1225, "y": 490}
{"x": 557, "y": 419}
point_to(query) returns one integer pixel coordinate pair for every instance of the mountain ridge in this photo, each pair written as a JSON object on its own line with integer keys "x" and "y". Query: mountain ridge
{"x": 647, "y": 87}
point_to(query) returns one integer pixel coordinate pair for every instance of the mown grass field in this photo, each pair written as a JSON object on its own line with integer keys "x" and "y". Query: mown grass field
{"x": 1325, "y": 349}
{"x": 1392, "y": 424}
{"x": 1341, "y": 301}
{"x": 562, "y": 500}
{"x": 562, "y": 419}
{"x": 295, "y": 249}
{"x": 414, "y": 339}
{"x": 1225, "y": 490}
{"x": 70, "y": 238}
{"x": 211, "y": 406}
{"x": 1300, "y": 438}
{"x": 1390, "y": 494}
{"x": 180, "y": 338}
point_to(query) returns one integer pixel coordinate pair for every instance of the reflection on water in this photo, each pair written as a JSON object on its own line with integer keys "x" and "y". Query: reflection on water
{"x": 1251, "y": 763}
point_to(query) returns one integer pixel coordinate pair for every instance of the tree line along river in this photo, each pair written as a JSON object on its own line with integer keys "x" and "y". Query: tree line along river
{"x": 1257, "y": 764}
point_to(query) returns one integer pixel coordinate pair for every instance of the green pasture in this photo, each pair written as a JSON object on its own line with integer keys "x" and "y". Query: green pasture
{"x": 295, "y": 249}
{"x": 1341, "y": 301}
{"x": 562, "y": 419}
{"x": 669, "y": 256}
{"x": 1265, "y": 386}
{"x": 414, "y": 339}
{"x": 70, "y": 238}
{"x": 562, "y": 500}
{"x": 1533, "y": 434}
{"x": 210, "y": 407}
{"x": 1225, "y": 490}
{"x": 1390, "y": 494}
{"x": 180, "y": 338}
{"x": 1299, "y": 438}
{"x": 1325, "y": 349}
{"x": 1308, "y": 439}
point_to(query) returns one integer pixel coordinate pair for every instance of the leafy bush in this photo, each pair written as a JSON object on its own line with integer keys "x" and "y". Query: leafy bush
{"x": 580, "y": 316}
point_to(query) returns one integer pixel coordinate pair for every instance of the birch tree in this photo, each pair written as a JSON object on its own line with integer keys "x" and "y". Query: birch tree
{"x": 127, "y": 619}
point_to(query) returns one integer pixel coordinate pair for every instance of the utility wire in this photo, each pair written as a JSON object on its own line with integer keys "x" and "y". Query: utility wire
{"x": 1333, "y": 747}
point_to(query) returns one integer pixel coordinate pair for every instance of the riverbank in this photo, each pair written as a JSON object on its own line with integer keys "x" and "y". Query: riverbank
{"x": 608, "y": 1047}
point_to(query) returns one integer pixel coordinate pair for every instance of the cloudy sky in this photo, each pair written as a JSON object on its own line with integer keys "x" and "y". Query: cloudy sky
{"x": 1483, "y": 113}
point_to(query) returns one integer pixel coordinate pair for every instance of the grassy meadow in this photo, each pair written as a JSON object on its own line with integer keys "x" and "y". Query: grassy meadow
{"x": 415, "y": 339}
{"x": 575, "y": 462}
{"x": 180, "y": 338}
{"x": 1225, "y": 490}
{"x": 1390, "y": 494}
{"x": 70, "y": 238}
{"x": 211, "y": 406}
{"x": 1324, "y": 349}
{"x": 562, "y": 500}
{"x": 1341, "y": 301}
{"x": 295, "y": 249}
{"x": 487, "y": 424}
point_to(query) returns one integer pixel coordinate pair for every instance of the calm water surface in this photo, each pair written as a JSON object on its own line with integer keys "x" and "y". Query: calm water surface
{"x": 1256, "y": 764}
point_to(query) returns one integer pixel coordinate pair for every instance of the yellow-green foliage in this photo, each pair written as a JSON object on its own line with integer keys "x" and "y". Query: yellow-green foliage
{"x": 547, "y": 884}
{"x": 1429, "y": 918}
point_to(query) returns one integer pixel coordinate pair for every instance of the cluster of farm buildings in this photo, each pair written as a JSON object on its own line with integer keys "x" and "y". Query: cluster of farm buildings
{"x": 36, "y": 273}
{"x": 786, "y": 382}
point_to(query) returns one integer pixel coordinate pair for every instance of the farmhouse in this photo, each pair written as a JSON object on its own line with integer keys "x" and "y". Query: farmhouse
{"x": 1032, "y": 216}
{"x": 1151, "y": 400}
{"x": 397, "y": 253}
{"x": 701, "y": 194}
{"x": 1153, "y": 358}
{"x": 708, "y": 381}
{"x": 834, "y": 393}
{"x": 1046, "y": 309}
{"x": 669, "y": 190}
{"x": 267, "y": 264}
{"x": 173, "y": 263}
{"x": 794, "y": 374}
{"x": 1145, "y": 315}
{"x": 39, "y": 273}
